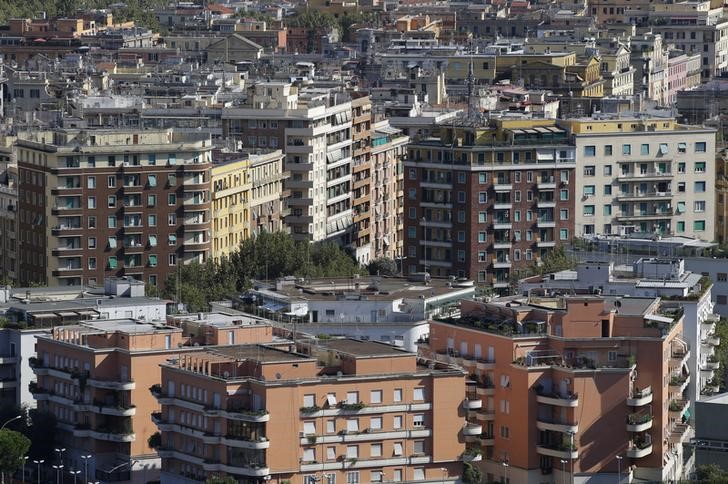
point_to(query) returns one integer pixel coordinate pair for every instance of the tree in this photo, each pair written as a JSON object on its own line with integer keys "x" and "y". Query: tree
{"x": 711, "y": 474}
{"x": 155, "y": 440}
{"x": 471, "y": 474}
{"x": 220, "y": 480}
{"x": 13, "y": 447}
{"x": 383, "y": 266}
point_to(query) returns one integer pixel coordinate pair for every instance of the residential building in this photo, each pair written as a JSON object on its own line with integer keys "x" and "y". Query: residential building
{"x": 268, "y": 194}
{"x": 649, "y": 57}
{"x": 361, "y": 173}
{"x": 683, "y": 73}
{"x": 335, "y": 411}
{"x": 721, "y": 199}
{"x": 617, "y": 71}
{"x": 652, "y": 277}
{"x": 314, "y": 128}
{"x": 696, "y": 28}
{"x": 388, "y": 152}
{"x": 230, "y": 181}
{"x": 9, "y": 223}
{"x": 578, "y": 388}
{"x": 100, "y": 203}
{"x": 485, "y": 199}
{"x": 711, "y": 431}
{"x": 648, "y": 172}
{"x": 385, "y": 309}
{"x": 17, "y": 346}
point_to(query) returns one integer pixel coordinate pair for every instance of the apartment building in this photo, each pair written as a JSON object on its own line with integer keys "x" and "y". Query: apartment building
{"x": 268, "y": 195}
{"x": 572, "y": 389}
{"x": 101, "y": 203}
{"x": 94, "y": 376}
{"x": 389, "y": 149}
{"x": 694, "y": 27}
{"x": 666, "y": 278}
{"x": 8, "y": 228}
{"x": 336, "y": 411}
{"x": 391, "y": 310}
{"x": 482, "y": 200}
{"x": 645, "y": 172}
{"x": 361, "y": 173}
{"x": 314, "y": 128}
{"x": 649, "y": 57}
{"x": 230, "y": 193}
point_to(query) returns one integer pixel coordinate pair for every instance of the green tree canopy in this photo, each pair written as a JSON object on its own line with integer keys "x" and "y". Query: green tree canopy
{"x": 220, "y": 480}
{"x": 13, "y": 447}
{"x": 711, "y": 474}
{"x": 383, "y": 266}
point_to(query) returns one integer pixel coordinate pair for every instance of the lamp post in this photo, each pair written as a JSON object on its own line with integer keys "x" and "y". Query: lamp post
{"x": 38, "y": 463}
{"x": 505, "y": 472}
{"x": 563, "y": 471}
{"x": 59, "y": 469}
{"x": 23, "y": 460}
{"x": 619, "y": 469}
{"x": 85, "y": 467}
{"x": 60, "y": 451}
{"x": 75, "y": 474}
{"x": 11, "y": 420}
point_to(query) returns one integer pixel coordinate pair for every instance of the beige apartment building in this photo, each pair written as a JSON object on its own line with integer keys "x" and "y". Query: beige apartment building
{"x": 572, "y": 388}
{"x": 337, "y": 411}
{"x": 647, "y": 174}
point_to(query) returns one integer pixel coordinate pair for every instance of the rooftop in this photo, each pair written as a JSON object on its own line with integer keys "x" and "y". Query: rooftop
{"x": 359, "y": 348}
{"x": 263, "y": 354}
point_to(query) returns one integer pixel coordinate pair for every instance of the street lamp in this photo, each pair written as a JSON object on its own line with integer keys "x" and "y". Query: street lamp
{"x": 60, "y": 452}
{"x": 505, "y": 472}
{"x": 38, "y": 463}
{"x": 85, "y": 466}
{"x": 75, "y": 473}
{"x": 11, "y": 420}
{"x": 23, "y": 460}
{"x": 563, "y": 471}
{"x": 619, "y": 469}
{"x": 59, "y": 469}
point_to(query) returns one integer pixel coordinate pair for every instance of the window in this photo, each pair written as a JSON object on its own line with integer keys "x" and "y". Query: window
{"x": 589, "y": 170}
{"x": 112, "y": 262}
{"x": 172, "y": 259}
{"x": 352, "y": 425}
{"x": 397, "y": 448}
{"x": 626, "y": 149}
{"x": 700, "y": 147}
{"x": 699, "y": 167}
{"x": 682, "y": 147}
{"x": 397, "y": 422}
{"x": 418, "y": 420}
{"x": 171, "y": 239}
{"x": 111, "y": 222}
{"x": 352, "y": 477}
{"x": 588, "y": 210}
{"x": 721, "y": 299}
{"x": 590, "y": 150}
{"x": 563, "y": 195}
{"x": 309, "y": 428}
{"x": 563, "y": 234}
{"x": 418, "y": 473}
{"x": 171, "y": 199}
{"x": 91, "y": 202}
{"x": 172, "y": 219}
{"x": 411, "y": 232}
{"x": 663, "y": 149}
{"x": 607, "y": 170}
{"x": 461, "y": 197}
{"x": 418, "y": 447}
{"x": 152, "y": 180}
{"x": 607, "y": 210}
{"x": 92, "y": 263}
{"x": 171, "y": 179}
{"x": 309, "y": 400}
{"x": 680, "y": 227}
{"x": 418, "y": 395}
{"x": 505, "y": 432}
{"x": 608, "y": 151}
{"x": 590, "y": 190}
{"x": 699, "y": 187}
{"x": 722, "y": 277}
{"x": 375, "y": 450}
{"x": 699, "y": 225}
{"x": 352, "y": 397}
{"x": 111, "y": 182}
{"x": 375, "y": 396}
{"x": 111, "y": 201}
{"x": 482, "y": 178}
{"x": 92, "y": 222}
{"x": 699, "y": 206}
{"x": 91, "y": 182}
{"x": 482, "y": 237}
{"x": 375, "y": 423}
{"x": 564, "y": 176}
{"x": 482, "y": 197}
{"x": 681, "y": 186}
{"x": 152, "y": 240}
{"x": 152, "y": 260}
{"x": 397, "y": 396}
{"x": 644, "y": 149}
{"x": 352, "y": 451}
{"x": 92, "y": 242}
{"x": 482, "y": 217}
{"x": 681, "y": 167}
{"x": 376, "y": 476}
{"x": 564, "y": 214}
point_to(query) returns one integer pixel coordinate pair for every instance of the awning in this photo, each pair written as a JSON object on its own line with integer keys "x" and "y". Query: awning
{"x": 43, "y": 316}
{"x": 273, "y": 306}
{"x": 663, "y": 149}
{"x": 687, "y": 413}
{"x": 331, "y": 400}
{"x": 87, "y": 313}
{"x": 682, "y": 146}
{"x": 67, "y": 314}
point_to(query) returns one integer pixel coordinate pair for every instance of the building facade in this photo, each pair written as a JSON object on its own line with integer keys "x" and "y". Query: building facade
{"x": 96, "y": 204}
{"x": 484, "y": 200}
{"x": 269, "y": 414}
{"x": 648, "y": 173}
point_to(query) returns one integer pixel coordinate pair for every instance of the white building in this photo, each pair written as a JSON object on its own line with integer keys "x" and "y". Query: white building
{"x": 387, "y": 309}
{"x": 648, "y": 173}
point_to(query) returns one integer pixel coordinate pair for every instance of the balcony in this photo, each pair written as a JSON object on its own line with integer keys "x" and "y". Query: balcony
{"x": 502, "y": 224}
{"x": 558, "y": 450}
{"x": 472, "y": 429}
{"x": 639, "y": 448}
{"x": 639, "y": 422}
{"x": 555, "y": 399}
{"x": 111, "y": 384}
{"x": 485, "y": 414}
{"x": 711, "y": 364}
{"x": 644, "y": 176}
{"x": 502, "y": 205}
{"x": 8, "y": 383}
{"x": 546, "y": 183}
{"x": 545, "y": 243}
{"x": 487, "y": 440}
{"x": 502, "y": 185}
{"x": 108, "y": 435}
{"x": 546, "y": 203}
{"x": 472, "y": 404}
{"x": 680, "y": 433}
{"x": 502, "y": 244}
{"x": 678, "y": 358}
{"x": 712, "y": 340}
{"x": 678, "y": 407}
{"x": 485, "y": 364}
{"x": 623, "y": 197}
{"x": 556, "y": 425}
{"x": 503, "y": 263}
{"x": 545, "y": 223}
{"x": 472, "y": 454}
{"x": 210, "y": 466}
{"x": 678, "y": 383}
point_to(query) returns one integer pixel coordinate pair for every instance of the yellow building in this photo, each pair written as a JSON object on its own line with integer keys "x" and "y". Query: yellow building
{"x": 231, "y": 185}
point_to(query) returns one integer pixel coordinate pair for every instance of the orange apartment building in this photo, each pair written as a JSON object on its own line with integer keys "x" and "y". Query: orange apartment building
{"x": 336, "y": 411}
{"x": 95, "y": 378}
{"x": 572, "y": 389}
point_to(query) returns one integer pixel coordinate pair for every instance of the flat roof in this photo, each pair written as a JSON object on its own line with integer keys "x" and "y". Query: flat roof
{"x": 361, "y": 348}
{"x": 264, "y": 354}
